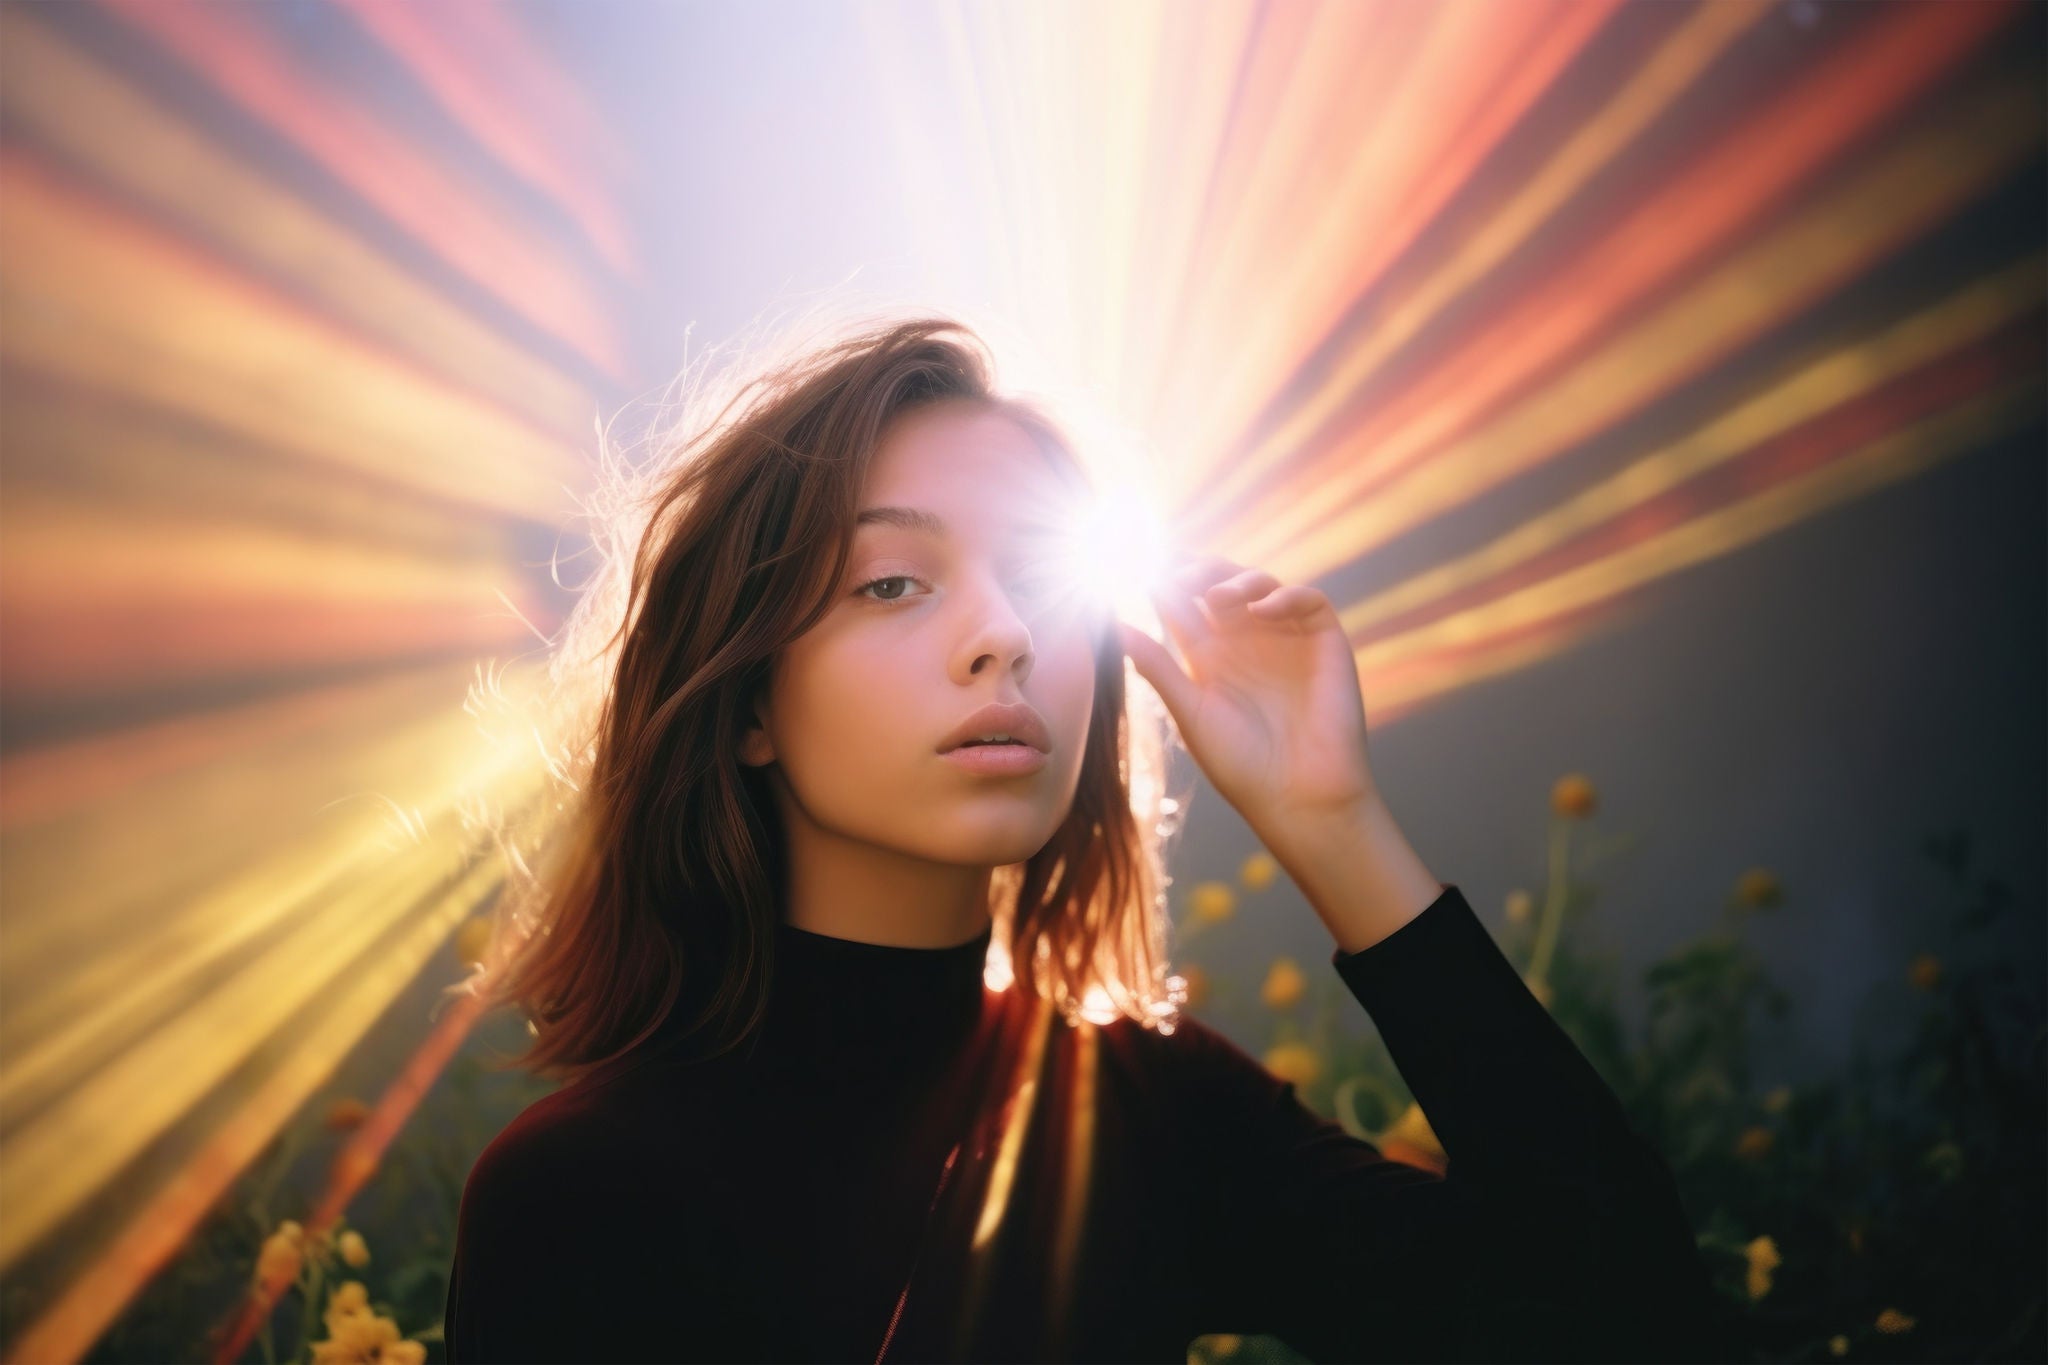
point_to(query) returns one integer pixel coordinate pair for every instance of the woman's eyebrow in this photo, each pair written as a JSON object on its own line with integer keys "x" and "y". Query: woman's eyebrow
{"x": 908, "y": 518}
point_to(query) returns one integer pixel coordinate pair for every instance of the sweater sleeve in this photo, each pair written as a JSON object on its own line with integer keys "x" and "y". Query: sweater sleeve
{"x": 1555, "y": 1231}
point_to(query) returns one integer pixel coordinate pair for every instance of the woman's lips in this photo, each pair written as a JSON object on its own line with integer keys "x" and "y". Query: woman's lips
{"x": 996, "y": 760}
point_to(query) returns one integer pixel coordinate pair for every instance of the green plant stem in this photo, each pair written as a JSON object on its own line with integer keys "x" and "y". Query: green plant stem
{"x": 305, "y": 1347}
{"x": 1553, "y": 900}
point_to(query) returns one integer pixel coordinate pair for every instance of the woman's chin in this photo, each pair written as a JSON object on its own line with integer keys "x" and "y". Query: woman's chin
{"x": 990, "y": 848}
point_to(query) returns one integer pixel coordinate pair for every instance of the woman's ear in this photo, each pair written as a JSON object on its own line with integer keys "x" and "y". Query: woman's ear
{"x": 756, "y": 749}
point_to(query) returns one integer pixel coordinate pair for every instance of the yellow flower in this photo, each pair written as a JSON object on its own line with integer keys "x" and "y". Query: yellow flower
{"x": 1285, "y": 985}
{"x": 1925, "y": 971}
{"x": 1197, "y": 984}
{"x": 1755, "y": 1143}
{"x": 1758, "y": 888}
{"x": 354, "y": 1250}
{"x": 1573, "y": 796}
{"x": 1520, "y": 905}
{"x": 357, "y": 1335}
{"x": 1763, "y": 1259}
{"x": 473, "y": 940}
{"x": 1296, "y": 1062}
{"x": 277, "y": 1264}
{"x": 1838, "y": 1345}
{"x": 347, "y": 1113}
{"x": 1777, "y": 1100}
{"x": 1892, "y": 1322}
{"x": 1258, "y": 871}
{"x": 1212, "y": 901}
{"x": 347, "y": 1300}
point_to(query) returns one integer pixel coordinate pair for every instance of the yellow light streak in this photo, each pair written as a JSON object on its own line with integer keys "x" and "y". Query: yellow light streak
{"x": 1890, "y": 459}
{"x": 1919, "y": 179}
{"x": 68, "y": 101}
{"x": 1635, "y": 106}
{"x": 1971, "y": 313}
{"x": 123, "y": 310}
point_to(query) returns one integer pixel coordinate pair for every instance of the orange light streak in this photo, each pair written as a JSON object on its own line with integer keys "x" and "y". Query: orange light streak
{"x": 1336, "y": 274}
{"x": 59, "y": 98}
{"x": 1917, "y": 182}
{"x": 457, "y": 220}
{"x": 1764, "y": 158}
{"x": 480, "y": 98}
{"x": 116, "y": 306}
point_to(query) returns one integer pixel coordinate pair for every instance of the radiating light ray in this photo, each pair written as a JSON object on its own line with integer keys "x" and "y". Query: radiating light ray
{"x": 1971, "y": 313}
{"x": 72, "y": 104}
{"x": 1125, "y": 63}
{"x": 1077, "y": 1177}
{"x": 1951, "y": 385}
{"x": 1695, "y": 214}
{"x": 460, "y": 221}
{"x": 1202, "y": 51}
{"x": 160, "y": 1226}
{"x": 160, "y": 838}
{"x": 119, "y": 308}
{"x": 334, "y": 900}
{"x": 76, "y": 1000}
{"x": 1897, "y": 456}
{"x": 42, "y": 785}
{"x": 509, "y": 48}
{"x": 126, "y": 461}
{"x": 1361, "y": 68}
{"x": 134, "y": 555}
{"x": 93, "y": 599}
{"x": 1644, "y": 97}
{"x": 1021, "y": 1098}
{"x": 1916, "y": 182}
{"x": 984, "y": 125}
{"x": 432, "y": 44}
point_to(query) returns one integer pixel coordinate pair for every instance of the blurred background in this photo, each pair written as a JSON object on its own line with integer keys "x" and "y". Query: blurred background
{"x": 1657, "y": 389}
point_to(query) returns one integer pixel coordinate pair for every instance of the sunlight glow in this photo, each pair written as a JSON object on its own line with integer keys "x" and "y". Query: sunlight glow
{"x": 1115, "y": 548}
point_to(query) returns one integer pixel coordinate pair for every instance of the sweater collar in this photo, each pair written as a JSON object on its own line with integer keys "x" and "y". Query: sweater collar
{"x": 847, "y": 1002}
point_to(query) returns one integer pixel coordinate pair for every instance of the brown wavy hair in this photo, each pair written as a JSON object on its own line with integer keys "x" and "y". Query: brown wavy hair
{"x": 662, "y": 865}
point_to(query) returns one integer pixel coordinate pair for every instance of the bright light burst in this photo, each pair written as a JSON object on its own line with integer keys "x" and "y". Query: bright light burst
{"x": 1110, "y": 551}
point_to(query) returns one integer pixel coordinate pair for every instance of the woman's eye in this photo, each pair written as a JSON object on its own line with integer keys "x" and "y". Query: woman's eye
{"x": 892, "y": 578}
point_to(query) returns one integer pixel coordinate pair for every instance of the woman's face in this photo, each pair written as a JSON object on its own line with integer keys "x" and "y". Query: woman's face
{"x": 946, "y": 607}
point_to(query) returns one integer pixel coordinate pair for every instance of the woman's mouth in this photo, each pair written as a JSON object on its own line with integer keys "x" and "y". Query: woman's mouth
{"x": 1008, "y": 759}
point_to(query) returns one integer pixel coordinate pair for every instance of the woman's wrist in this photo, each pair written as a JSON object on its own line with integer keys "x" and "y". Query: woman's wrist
{"x": 1357, "y": 870}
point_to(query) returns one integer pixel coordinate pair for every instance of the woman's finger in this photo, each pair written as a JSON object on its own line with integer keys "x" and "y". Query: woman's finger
{"x": 1200, "y": 573}
{"x": 1181, "y": 615}
{"x": 1157, "y": 667}
{"x": 1295, "y": 602}
{"x": 1227, "y": 601}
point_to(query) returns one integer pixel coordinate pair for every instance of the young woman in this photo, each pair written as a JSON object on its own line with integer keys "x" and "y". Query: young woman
{"x": 853, "y": 961}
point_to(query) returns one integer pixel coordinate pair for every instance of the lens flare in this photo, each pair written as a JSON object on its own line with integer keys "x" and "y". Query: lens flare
{"x": 1110, "y": 551}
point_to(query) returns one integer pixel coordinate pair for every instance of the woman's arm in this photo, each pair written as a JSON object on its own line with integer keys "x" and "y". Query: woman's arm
{"x": 1555, "y": 1232}
{"x": 1555, "y": 1228}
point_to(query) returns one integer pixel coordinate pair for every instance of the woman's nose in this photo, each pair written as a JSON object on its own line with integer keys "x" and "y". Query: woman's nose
{"x": 999, "y": 629}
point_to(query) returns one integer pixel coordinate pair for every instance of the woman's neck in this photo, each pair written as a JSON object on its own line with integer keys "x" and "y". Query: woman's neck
{"x": 853, "y": 890}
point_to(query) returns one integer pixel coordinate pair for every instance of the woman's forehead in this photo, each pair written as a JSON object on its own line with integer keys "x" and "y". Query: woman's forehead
{"x": 964, "y": 471}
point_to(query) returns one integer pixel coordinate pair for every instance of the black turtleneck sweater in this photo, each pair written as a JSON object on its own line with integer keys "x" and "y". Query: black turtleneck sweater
{"x": 1148, "y": 1188}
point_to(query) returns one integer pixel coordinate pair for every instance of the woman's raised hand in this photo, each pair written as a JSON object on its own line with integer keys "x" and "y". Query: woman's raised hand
{"x": 1269, "y": 702}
